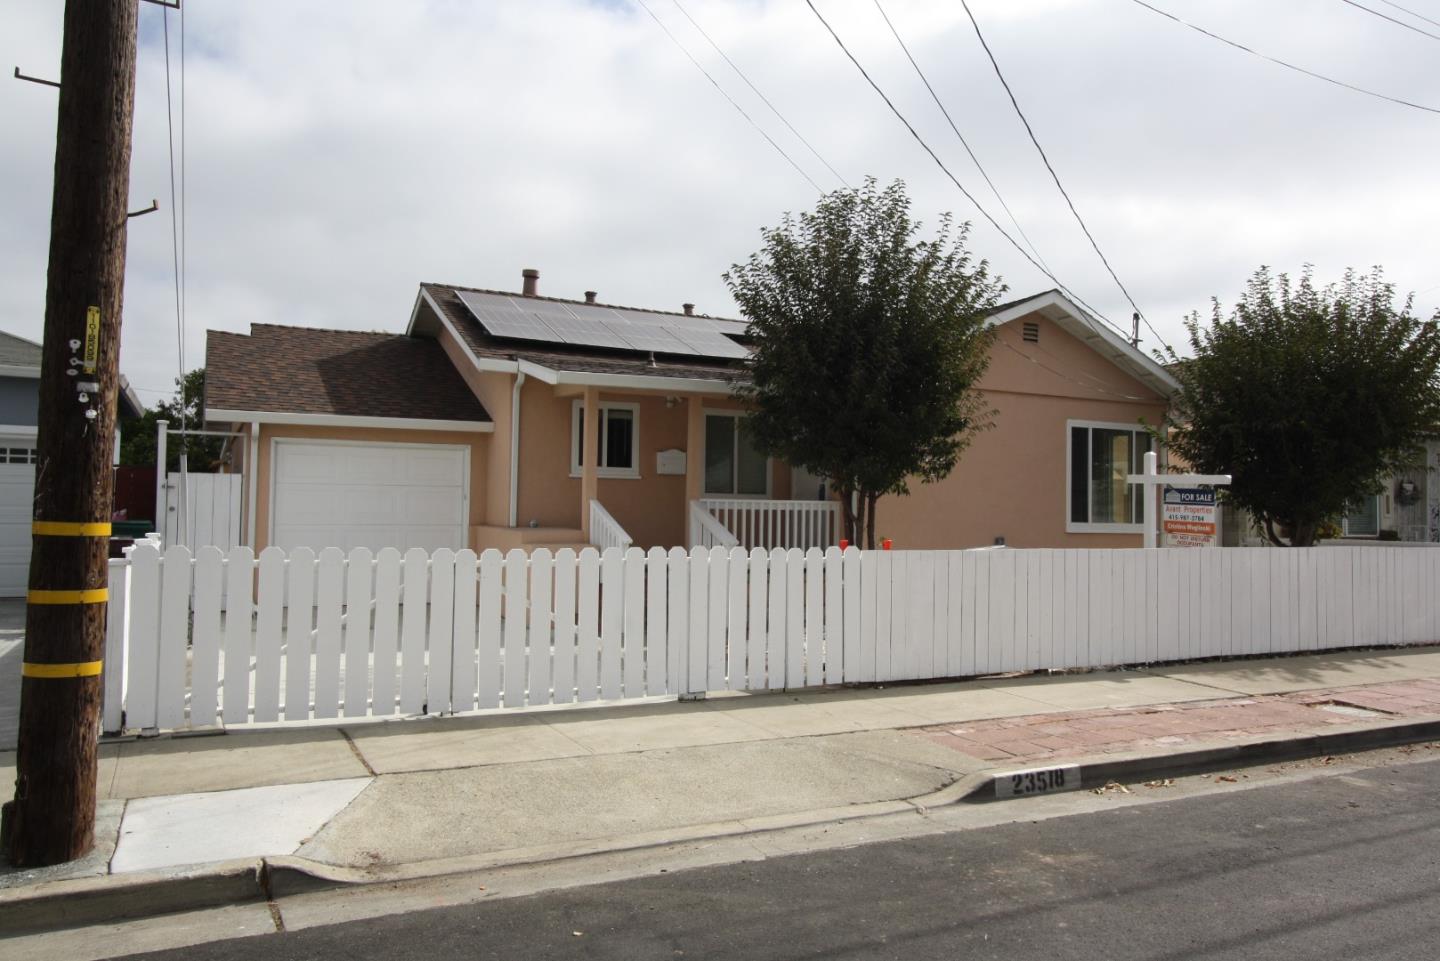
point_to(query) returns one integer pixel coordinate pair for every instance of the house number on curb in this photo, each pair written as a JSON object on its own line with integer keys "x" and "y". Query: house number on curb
{"x": 1040, "y": 780}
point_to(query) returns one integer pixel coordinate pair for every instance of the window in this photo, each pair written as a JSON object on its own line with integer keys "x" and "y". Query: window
{"x": 1362, "y": 519}
{"x": 17, "y": 455}
{"x": 619, "y": 440}
{"x": 1100, "y": 456}
{"x": 732, "y": 464}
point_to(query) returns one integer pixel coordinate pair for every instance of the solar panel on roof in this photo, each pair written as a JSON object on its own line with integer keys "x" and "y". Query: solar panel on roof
{"x": 502, "y": 320}
{"x": 709, "y": 343}
{"x": 648, "y": 319}
{"x": 648, "y": 337}
{"x": 573, "y": 330}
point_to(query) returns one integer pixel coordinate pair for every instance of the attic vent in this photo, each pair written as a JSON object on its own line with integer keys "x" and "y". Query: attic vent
{"x": 1030, "y": 332}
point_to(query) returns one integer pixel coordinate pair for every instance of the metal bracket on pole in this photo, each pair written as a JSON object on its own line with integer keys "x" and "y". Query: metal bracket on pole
{"x": 154, "y": 206}
{"x": 39, "y": 80}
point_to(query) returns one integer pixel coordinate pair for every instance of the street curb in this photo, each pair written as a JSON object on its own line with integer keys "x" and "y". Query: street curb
{"x": 1101, "y": 771}
{"x": 110, "y": 898}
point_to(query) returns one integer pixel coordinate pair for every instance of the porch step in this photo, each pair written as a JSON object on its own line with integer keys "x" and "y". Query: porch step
{"x": 487, "y": 536}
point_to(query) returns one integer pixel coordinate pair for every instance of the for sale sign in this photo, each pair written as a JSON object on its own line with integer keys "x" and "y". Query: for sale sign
{"x": 1190, "y": 518}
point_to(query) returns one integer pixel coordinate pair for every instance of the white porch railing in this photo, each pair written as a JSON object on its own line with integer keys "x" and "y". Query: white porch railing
{"x": 605, "y": 531}
{"x": 770, "y": 524}
{"x": 706, "y": 531}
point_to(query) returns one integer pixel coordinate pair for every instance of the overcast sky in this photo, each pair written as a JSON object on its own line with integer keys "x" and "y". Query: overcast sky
{"x": 338, "y": 154}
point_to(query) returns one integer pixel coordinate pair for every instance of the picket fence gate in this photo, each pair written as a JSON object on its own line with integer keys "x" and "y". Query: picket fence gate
{"x": 301, "y": 636}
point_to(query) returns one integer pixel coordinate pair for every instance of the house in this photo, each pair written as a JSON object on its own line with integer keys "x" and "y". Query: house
{"x": 19, "y": 415}
{"x": 514, "y": 420}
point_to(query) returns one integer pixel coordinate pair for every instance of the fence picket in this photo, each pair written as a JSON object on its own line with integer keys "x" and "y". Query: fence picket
{"x": 717, "y": 610}
{"x": 516, "y": 616}
{"x": 657, "y": 645}
{"x": 117, "y": 642}
{"x": 538, "y": 648}
{"x": 356, "y": 643}
{"x": 239, "y": 582}
{"x": 795, "y": 618}
{"x": 329, "y": 602}
{"x": 269, "y": 634}
{"x": 678, "y": 626}
{"x": 756, "y": 648}
{"x": 736, "y": 648}
{"x": 612, "y": 622}
{"x": 462, "y": 641}
{"x": 884, "y": 617}
{"x": 696, "y": 659}
{"x": 632, "y": 635}
{"x": 440, "y": 646}
{"x": 814, "y": 617}
{"x": 563, "y": 680}
{"x": 174, "y": 636}
{"x": 387, "y": 632}
{"x": 205, "y": 642}
{"x": 833, "y": 668}
{"x": 298, "y": 643}
{"x": 777, "y": 617}
{"x": 416, "y": 574}
{"x": 920, "y": 577}
{"x": 487, "y": 658}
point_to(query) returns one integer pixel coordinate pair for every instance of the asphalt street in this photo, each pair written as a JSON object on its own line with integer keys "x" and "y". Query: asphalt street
{"x": 1336, "y": 867}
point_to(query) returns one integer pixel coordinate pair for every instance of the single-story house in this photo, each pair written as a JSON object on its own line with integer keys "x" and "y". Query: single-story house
{"x": 503, "y": 419}
{"x": 19, "y": 417}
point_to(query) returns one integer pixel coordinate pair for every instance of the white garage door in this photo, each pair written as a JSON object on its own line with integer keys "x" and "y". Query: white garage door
{"x": 369, "y": 495}
{"x": 17, "y": 508}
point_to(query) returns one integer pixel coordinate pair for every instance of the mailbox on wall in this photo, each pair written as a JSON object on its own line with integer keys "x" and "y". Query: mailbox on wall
{"x": 670, "y": 461}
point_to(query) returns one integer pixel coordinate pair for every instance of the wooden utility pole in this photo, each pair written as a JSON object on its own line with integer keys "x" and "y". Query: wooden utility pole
{"x": 52, "y": 818}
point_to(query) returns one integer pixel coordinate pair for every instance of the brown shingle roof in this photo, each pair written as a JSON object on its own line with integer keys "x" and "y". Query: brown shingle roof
{"x": 311, "y": 371}
{"x": 581, "y": 359}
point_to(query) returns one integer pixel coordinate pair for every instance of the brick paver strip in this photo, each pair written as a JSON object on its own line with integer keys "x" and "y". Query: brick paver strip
{"x": 1115, "y": 730}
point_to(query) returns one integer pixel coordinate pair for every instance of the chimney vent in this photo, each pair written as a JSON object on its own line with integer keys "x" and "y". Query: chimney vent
{"x": 589, "y": 296}
{"x": 531, "y": 278}
{"x": 689, "y": 309}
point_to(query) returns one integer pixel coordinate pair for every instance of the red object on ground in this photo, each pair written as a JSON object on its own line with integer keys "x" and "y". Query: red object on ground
{"x": 886, "y": 544}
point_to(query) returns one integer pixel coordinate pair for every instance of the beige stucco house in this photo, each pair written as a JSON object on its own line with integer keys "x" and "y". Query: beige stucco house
{"x": 502, "y": 419}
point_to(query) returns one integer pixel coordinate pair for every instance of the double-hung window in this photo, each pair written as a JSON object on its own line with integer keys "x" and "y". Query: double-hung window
{"x": 732, "y": 464}
{"x": 619, "y": 439}
{"x": 1098, "y": 497}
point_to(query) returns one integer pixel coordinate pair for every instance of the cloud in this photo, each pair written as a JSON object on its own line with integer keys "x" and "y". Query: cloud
{"x": 338, "y": 154}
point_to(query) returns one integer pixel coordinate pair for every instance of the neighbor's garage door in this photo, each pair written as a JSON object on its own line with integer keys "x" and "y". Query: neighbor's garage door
{"x": 17, "y": 496}
{"x": 369, "y": 495}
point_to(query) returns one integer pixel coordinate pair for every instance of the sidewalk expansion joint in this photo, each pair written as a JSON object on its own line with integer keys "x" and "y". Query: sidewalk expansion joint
{"x": 355, "y": 750}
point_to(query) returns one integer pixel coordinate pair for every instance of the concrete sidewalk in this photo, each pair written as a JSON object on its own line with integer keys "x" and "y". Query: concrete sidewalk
{"x": 394, "y": 799}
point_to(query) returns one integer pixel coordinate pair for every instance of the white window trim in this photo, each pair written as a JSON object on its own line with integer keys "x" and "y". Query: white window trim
{"x": 1379, "y": 522}
{"x": 1088, "y": 527}
{"x": 577, "y": 411}
{"x": 769, "y": 461}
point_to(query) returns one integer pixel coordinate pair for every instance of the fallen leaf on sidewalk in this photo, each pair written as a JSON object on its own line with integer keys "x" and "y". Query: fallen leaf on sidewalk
{"x": 1163, "y": 782}
{"x": 1227, "y": 777}
{"x": 578, "y": 934}
{"x": 1111, "y": 787}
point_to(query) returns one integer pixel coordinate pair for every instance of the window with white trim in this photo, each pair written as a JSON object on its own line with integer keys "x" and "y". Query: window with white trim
{"x": 732, "y": 464}
{"x": 619, "y": 439}
{"x": 1100, "y": 456}
{"x": 1362, "y": 518}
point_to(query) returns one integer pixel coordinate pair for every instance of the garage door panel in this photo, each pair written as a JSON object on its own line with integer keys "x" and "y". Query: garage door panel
{"x": 17, "y": 507}
{"x": 375, "y": 496}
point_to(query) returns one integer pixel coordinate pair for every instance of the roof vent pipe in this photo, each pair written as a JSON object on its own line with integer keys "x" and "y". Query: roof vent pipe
{"x": 531, "y": 278}
{"x": 589, "y": 296}
{"x": 689, "y": 309}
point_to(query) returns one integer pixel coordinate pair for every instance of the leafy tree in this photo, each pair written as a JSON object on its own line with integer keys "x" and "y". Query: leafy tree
{"x": 137, "y": 443}
{"x": 1308, "y": 396}
{"x": 868, "y": 344}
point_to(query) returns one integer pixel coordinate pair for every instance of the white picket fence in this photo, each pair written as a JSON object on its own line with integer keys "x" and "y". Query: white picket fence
{"x": 302, "y": 636}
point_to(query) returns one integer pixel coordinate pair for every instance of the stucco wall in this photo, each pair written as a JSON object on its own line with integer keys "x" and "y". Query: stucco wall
{"x": 478, "y": 444}
{"x": 1012, "y": 480}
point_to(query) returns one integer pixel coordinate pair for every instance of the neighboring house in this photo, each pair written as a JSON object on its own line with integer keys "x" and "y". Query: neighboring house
{"x": 19, "y": 415}
{"x": 503, "y": 420}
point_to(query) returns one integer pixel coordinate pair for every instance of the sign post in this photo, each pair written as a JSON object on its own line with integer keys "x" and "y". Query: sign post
{"x": 1152, "y": 478}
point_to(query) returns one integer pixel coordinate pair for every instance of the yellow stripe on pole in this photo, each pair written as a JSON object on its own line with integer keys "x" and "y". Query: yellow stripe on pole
{"x": 71, "y": 528}
{"x": 83, "y": 669}
{"x": 96, "y": 595}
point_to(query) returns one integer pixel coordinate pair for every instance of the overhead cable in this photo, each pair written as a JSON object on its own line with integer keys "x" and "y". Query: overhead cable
{"x": 963, "y": 142}
{"x": 953, "y": 179}
{"x": 1055, "y": 176}
{"x": 773, "y": 109}
{"x": 761, "y": 130}
{"x": 1385, "y": 16}
{"x": 1286, "y": 64}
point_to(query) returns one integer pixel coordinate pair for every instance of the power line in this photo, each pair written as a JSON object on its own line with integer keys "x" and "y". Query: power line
{"x": 978, "y": 165}
{"x": 953, "y": 179}
{"x": 773, "y": 109}
{"x": 1386, "y": 16}
{"x": 778, "y": 149}
{"x": 1286, "y": 64}
{"x": 1417, "y": 16}
{"x": 1056, "y": 177}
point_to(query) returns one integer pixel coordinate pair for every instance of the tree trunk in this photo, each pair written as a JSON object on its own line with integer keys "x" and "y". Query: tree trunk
{"x": 52, "y": 818}
{"x": 871, "y": 502}
{"x": 847, "y": 515}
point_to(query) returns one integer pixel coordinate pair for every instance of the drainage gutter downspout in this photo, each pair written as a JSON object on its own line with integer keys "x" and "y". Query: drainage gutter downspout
{"x": 515, "y": 448}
